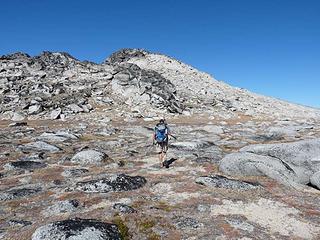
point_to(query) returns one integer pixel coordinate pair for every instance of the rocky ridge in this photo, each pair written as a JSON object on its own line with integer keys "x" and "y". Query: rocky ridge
{"x": 136, "y": 82}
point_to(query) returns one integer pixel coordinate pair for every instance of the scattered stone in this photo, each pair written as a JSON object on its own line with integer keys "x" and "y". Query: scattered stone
{"x": 75, "y": 108}
{"x": 86, "y": 108}
{"x": 106, "y": 131}
{"x": 57, "y": 182}
{"x": 77, "y": 229}
{"x": 26, "y": 165}
{"x": 123, "y": 208}
{"x": 66, "y": 135}
{"x": 203, "y": 208}
{"x": 104, "y": 120}
{"x": 134, "y": 86}
{"x": 62, "y": 207}
{"x": 18, "y": 117}
{"x": 18, "y": 124}
{"x": 55, "y": 114}
{"x": 223, "y": 182}
{"x": 74, "y": 172}
{"x": 34, "y": 109}
{"x": 39, "y": 146}
{"x": 89, "y": 157}
{"x": 241, "y": 224}
{"x": 56, "y": 137}
{"x": 112, "y": 183}
{"x": 267, "y": 137}
{"x": 147, "y": 119}
{"x": 187, "y": 222}
{"x": 33, "y": 157}
{"x": 51, "y": 137}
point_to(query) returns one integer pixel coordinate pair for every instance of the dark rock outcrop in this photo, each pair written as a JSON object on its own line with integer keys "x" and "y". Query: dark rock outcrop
{"x": 161, "y": 92}
{"x": 77, "y": 229}
{"x": 17, "y": 193}
{"x": 26, "y": 165}
{"x": 19, "y": 223}
{"x": 124, "y": 55}
{"x": 112, "y": 183}
{"x": 224, "y": 182}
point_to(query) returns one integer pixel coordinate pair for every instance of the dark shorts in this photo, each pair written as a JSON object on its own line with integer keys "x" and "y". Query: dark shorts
{"x": 162, "y": 147}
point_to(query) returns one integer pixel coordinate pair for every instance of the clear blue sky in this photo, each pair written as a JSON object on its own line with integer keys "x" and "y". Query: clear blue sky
{"x": 270, "y": 47}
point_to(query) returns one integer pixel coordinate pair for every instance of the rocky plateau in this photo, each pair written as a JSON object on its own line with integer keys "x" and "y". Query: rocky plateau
{"x": 77, "y": 160}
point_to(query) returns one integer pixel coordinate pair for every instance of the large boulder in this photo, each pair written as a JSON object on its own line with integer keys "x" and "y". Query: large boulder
{"x": 89, "y": 157}
{"x": 289, "y": 163}
{"x": 77, "y": 229}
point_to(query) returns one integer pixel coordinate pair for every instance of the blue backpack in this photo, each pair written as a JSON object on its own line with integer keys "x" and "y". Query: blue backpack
{"x": 161, "y": 133}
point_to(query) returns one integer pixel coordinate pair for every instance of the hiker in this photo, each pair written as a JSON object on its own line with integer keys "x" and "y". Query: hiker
{"x": 161, "y": 138}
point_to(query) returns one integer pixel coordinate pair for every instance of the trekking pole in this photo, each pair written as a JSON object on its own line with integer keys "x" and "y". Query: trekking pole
{"x": 173, "y": 137}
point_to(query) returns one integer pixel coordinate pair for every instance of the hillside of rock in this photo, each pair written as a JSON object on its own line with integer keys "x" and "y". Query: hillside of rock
{"x": 135, "y": 82}
{"x": 77, "y": 159}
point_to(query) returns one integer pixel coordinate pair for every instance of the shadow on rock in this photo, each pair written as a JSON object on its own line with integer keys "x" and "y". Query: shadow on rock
{"x": 167, "y": 163}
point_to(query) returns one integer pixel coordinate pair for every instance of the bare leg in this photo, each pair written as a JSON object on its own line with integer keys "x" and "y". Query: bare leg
{"x": 160, "y": 159}
{"x": 164, "y": 156}
{"x": 165, "y": 147}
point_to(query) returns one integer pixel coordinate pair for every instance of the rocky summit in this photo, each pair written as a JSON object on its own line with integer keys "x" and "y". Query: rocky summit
{"x": 77, "y": 159}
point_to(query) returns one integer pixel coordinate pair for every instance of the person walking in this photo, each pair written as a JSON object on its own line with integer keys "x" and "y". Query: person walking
{"x": 161, "y": 139}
